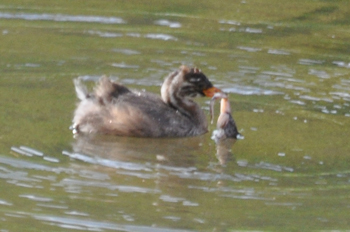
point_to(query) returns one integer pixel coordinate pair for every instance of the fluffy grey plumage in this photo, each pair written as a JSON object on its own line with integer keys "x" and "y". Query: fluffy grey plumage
{"x": 114, "y": 109}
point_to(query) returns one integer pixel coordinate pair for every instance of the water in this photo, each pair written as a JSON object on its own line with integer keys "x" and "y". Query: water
{"x": 285, "y": 66}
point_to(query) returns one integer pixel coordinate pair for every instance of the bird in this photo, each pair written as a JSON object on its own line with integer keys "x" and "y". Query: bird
{"x": 114, "y": 109}
{"x": 226, "y": 125}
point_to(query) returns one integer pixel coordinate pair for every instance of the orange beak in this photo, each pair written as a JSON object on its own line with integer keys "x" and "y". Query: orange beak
{"x": 211, "y": 91}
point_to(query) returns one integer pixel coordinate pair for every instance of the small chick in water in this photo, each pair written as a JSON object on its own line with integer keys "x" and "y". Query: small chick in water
{"x": 226, "y": 126}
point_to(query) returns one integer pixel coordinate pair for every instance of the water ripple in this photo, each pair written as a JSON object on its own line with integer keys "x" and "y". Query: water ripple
{"x": 3, "y": 202}
{"x": 104, "y": 34}
{"x": 342, "y": 64}
{"x": 29, "y": 165}
{"x": 279, "y": 74}
{"x": 69, "y": 182}
{"x": 91, "y": 225}
{"x": 126, "y": 51}
{"x": 249, "y": 49}
{"x": 123, "y": 65}
{"x": 319, "y": 73}
{"x": 63, "y": 18}
{"x": 164, "y": 22}
{"x": 310, "y": 62}
{"x": 252, "y": 30}
{"x": 230, "y": 22}
{"x": 278, "y": 52}
{"x": 250, "y": 90}
{"x": 107, "y": 162}
{"x": 160, "y": 36}
{"x": 157, "y": 36}
{"x": 36, "y": 198}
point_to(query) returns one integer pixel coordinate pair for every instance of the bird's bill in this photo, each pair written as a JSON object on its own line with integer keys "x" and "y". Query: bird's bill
{"x": 211, "y": 91}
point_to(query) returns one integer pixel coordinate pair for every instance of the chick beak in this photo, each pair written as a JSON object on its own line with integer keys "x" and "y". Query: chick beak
{"x": 211, "y": 91}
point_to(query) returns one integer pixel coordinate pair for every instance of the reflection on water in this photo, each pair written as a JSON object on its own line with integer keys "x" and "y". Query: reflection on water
{"x": 116, "y": 171}
{"x": 224, "y": 151}
{"x": 111, "y": 173}
{"x": 142, "y": 167}
{"x": 129, "y": 149}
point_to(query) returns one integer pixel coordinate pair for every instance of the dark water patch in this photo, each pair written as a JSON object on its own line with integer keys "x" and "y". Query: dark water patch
{"x": 312, "y": 15}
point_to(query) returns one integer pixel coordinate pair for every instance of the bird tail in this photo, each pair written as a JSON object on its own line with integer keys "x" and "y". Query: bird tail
{"x": 80, "y": 89}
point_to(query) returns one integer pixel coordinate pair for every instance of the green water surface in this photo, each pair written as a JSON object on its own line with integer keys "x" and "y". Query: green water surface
{"x": 285, "y": 65}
